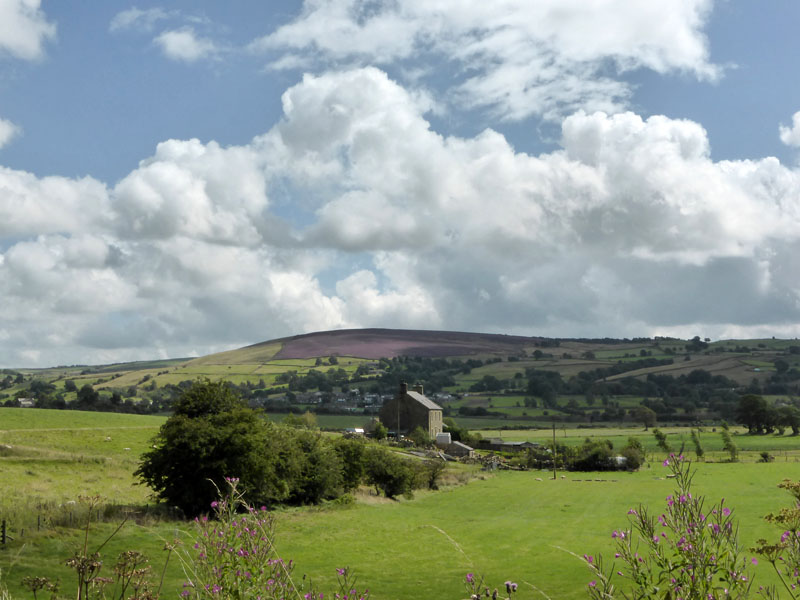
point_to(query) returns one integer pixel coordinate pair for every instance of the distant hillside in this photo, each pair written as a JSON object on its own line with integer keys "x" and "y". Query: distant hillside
{"x": 497, "y": 379}
{"x": 389, "y": 343}
{"x": 373, "y": 344}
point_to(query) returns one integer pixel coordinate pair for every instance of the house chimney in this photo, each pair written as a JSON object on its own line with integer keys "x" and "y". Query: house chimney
{"x": 418, "y": 389}
{"x": 403, "y": 388}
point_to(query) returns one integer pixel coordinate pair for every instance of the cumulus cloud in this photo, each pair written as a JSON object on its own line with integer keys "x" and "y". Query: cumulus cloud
{"x": 199, "y": 190}
{"x": 24, "y": 29}
{"x": 138, "y": 19}
{"x": 8, "y": 131}
{"x": 560, "y": 242}
{"x": 629, "y": 228}
{"x": 184, "y": 45}
{"x": 517, "y": 58}
{"x": 791, "y": 135}
{"x": 30, "y": 205}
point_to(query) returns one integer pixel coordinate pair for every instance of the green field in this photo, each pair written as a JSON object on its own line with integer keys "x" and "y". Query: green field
{"x": 510, "y": 526}
{"x": 782, "y": 446}
{"x": 507, "y": 525}
{"x": 49, "y": 457}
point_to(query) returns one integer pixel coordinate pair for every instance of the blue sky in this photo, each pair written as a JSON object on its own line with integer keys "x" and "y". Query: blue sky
{"x": 183, "y": 178}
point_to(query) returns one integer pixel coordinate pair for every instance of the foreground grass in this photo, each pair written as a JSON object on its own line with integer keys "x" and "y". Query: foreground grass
{"x": 510, "y": 526}
{"x": 506, "y": 526}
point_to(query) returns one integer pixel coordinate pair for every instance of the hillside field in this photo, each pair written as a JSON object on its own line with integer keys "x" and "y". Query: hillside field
{"x": 270, "y": 372}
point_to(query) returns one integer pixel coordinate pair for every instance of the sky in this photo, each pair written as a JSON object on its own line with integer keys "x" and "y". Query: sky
{"x": 183, "y": 178}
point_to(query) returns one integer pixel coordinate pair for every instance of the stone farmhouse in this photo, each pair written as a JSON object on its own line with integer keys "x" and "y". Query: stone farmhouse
{"x": 410, "y": 409}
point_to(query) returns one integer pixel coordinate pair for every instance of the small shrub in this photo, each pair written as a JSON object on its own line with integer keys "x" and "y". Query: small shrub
{"x": 661, "y": 440}
{"x": 698, "y": 448}
{"x": 729, "y": 445}
{"x": 235, "y": 557}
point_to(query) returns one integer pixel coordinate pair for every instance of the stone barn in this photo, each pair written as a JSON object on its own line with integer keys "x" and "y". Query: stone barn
{"x": 459, "y": 449}
{"x": 413, "y": 409}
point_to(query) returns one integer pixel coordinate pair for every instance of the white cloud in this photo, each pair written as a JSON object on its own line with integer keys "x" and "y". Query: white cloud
{"x": 31, "y": 205}
{"x": 195, "y": 190}
{"x": 630, "y": 228}
{"x": 24, "y": 29}
{"x": 791, "y": 135}
{"x": 185, "y": 45}
{"x": 8, "y": 131}
{"x": 514, "y": 57}
{"x": 138, "y": 19}
{"x": 365, "y": 304}
{"x": 632, "y": 225}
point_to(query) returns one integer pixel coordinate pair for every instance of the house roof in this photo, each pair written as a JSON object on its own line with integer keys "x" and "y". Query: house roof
{"x": 461, "y": 445}
{"x": 502, "y": 442}
{"x": 424, "y": 400}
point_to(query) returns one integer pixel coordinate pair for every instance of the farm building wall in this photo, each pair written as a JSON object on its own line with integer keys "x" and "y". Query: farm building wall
{"x": 415, "y": 410}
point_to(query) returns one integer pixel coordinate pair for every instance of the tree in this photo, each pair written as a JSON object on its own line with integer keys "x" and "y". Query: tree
{"x": 87, "y": 398}
{"x": 379, "y": 431}
{"x": 752, "y": 411}
{"x": 389, "y": 473}
{"x": 661, "y": 440}
{"x": 211, "y": 436}
{"x": 698, "y": 448}
{"x": 319, "y": 468}
{"x": 351, "y": 452}
{"x": 789, "y": 416}
{"x": 307, "y": 420}
{"x": 205, "y": 397}
{"x": 645, "y": 416}
{"x": 728, "y": 444}
{"x": 420, "y": 437}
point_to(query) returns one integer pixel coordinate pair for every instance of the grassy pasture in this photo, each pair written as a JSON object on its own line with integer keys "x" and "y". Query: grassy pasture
{"x": 506, "y": 526}
{"x": 49, "y": 456}
{"x": 785, "y": 448}
{"x": 510, "y": 526}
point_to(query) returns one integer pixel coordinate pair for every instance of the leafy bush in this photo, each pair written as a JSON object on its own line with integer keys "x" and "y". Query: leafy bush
{"x": 210, "y": 436}
{"x": 213, "y": 435}
{"x": 594, "y": 455}
{"x": 389, "y": 473}
{"x": 420, "y": 437}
